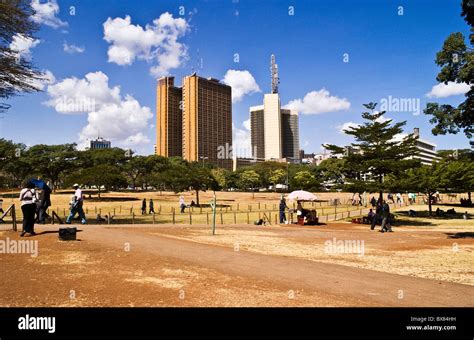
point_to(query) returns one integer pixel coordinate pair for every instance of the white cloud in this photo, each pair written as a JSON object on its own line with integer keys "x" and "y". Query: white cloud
{"x": 156, "y": 43}
{"x": 316, "y": 102}
{"x": 246, "y": 124}
{"x": 22, "y": 45}
{"x": 71, "y": 49}
{"x": 443, "y": 90}
{"x": 137, "y": 139}
{"x": 242, "y": 83}
{"x": 242, "y": 145}
{"x": 124, "y": 122}
{"x": 346, "y": 126}
{"x": 120, "y": 119}
{"x": 45, "y": 13}
{"x": 73, "y": 95}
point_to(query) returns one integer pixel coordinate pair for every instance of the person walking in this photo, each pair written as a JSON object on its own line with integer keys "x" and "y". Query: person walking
{"x": 182, "y": 205}
{"x": 373, "y": 202}
{"x": 152, "y": 206}
{"x": 386, "y": 222}
{"x": 399, "y": 199}
{"x": 44, "y": 202}
{"x": 283, "y": 207}
{"x": 144, "y": 206}
{"x": 28, "y": 207}
{"x": 376, "y": 216}
{"x": 76, "y": 205}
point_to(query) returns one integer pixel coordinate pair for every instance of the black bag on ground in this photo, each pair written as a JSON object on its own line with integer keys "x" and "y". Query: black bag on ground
{"x": 67, "y": 234}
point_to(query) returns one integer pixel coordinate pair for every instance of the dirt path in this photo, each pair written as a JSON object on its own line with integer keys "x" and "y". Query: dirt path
{"x": 366, "y": 286}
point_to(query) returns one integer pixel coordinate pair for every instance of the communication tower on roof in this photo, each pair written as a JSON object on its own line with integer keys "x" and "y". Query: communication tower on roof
{"x": 274, "y": 73}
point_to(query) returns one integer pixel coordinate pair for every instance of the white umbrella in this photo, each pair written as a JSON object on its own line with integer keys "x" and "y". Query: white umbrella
{"x": 301, "y": 195}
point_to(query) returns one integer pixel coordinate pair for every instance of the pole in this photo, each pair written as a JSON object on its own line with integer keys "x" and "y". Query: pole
{"x": 14, "y": 218}
{"x": 213, "y": 206}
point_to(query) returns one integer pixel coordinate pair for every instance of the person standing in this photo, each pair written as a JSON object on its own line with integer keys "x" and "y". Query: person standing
{"x": 28, "y": 207}
{"x": 386, "y": 223}
{"x": 283, "y": 207}
{"x": 76, "y": 205}
{"x": 152, "y": 206}
{"x": 144, "y": 206}
{"x": 44, "y": 202}
{"x": 182, "y": 205}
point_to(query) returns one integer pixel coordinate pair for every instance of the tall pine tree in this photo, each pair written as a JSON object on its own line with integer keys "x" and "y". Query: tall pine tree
{"x": 377, "y": 152}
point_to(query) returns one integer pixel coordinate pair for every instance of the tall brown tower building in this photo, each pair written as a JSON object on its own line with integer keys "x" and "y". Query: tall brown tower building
{"x": 168, "y": 118}
{"x": 207, "y": 121}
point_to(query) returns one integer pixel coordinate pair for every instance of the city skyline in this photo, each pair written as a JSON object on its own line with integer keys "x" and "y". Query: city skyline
{"x": 329, "y": 66}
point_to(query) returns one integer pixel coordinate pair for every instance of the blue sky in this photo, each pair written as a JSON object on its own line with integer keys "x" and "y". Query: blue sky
{"x": 388, "y": 55}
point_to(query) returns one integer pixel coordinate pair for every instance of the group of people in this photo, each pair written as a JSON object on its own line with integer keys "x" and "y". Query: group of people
{"x": 150, "y": 205}
{"x": 183, "y": 205}
{"x": 381, "y": 215}
{"x": 34, "y": 204}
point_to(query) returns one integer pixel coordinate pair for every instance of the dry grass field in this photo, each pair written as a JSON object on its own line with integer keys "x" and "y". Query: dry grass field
{"x": 233, "y": 207}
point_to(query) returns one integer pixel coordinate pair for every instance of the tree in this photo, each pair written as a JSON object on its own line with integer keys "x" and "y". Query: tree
{"x": 134, "y": 168}
{"x": 265, "y": 170}
{"x": 16, "y": 74}
{"x": 199, "y": 179}
{"x": 425, "y": 179}
{"x": 458, "y": 176}
{"x": 376, "y": 151}
{"x": 220, "y": 175}
{"x": 457, "y": 65}
{"x": 305, "y": 180}
{"x": 52, "y": 161}
{"x": 102, "y": 175}
{"x": 277, "y": 176}
{"x": 331, "y": 171}
{"x": 14, "y": 162}
{"x": 249, "y": 179}
{"x": 113, "y": 156}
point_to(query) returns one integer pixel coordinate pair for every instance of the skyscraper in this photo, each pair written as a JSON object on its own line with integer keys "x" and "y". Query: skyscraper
{"x": 290, "y": 133}
{"x": 274, "y": 131}
{"x": 207, "y": 121}
{"x": 168, "y": 118}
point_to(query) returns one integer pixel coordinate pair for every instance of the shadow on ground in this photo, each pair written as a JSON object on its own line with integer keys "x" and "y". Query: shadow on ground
{"x": 461, "y": 235}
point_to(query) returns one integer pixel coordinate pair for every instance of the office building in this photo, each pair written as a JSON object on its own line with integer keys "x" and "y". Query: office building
{"x": 100, "y": 143}
{"x": 426, "y": 150}
{"x": 168, "y": 118}
{"x": 274, "y": 131}
{"x": 207, "y": 121}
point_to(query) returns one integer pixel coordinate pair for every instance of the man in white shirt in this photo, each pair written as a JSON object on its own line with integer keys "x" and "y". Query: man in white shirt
{"x": 76, "y": 205}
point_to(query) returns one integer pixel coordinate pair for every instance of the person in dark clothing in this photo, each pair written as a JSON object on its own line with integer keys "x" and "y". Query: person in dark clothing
{"x": 152, "y": 206}
{"x": 283, "y": 207}
{"x": 44, "y": 202}
{"x": 368, "y": 219}
{"x": 376, "y": 217}
{"x": 386, "y": 222}
{"x": 144, "y": 206}
{"x": 28, "y": 207}
{"x": 373, "y": 202}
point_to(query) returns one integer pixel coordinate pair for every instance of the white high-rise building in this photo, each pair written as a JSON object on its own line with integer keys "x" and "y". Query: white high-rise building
{"x": 274, "y": 131}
